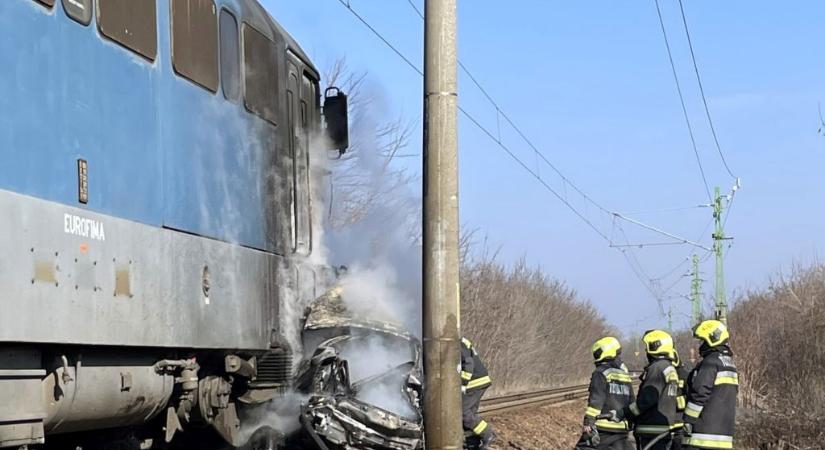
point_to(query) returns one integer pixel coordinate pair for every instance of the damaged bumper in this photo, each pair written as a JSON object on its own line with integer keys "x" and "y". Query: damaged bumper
{"x": 350, "y": 424}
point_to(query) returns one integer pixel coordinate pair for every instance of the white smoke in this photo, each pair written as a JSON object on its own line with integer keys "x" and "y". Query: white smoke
{"x": 382, "y": 281}
{"x": 376, "y": 356}
{"x": 377, "y": 239}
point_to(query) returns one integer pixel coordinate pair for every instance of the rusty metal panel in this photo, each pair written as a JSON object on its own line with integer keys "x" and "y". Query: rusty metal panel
{"x": 261, "y": 73}
{"x": 131, "y": 23}
{"x": 195, "y": 41}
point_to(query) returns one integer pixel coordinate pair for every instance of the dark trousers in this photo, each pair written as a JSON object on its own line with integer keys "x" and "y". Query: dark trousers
{"x": 677, "y": 441}
{"x": 608, "y": 441}
{"x": 470, "y": 419}
{"x": 665, "y": 443}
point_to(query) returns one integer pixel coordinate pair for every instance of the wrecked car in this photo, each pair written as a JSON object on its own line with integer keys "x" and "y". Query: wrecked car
{"x": 362, "y": 381}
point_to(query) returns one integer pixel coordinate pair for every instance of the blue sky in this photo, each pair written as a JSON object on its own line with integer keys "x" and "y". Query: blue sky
{"x": 589, "y": 82}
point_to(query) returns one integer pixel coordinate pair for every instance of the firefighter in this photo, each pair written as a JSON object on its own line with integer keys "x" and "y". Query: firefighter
{"x": 683, "y": 370}
{"x": 611, "y": 388}
{"x": 474, "y": 381}
{"x": 654, "y": 411}
{"x": 713, "y": 385}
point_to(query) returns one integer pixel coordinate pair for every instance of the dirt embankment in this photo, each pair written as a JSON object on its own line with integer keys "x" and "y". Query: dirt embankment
{"x": 542, "y": 428}
{"x": 558, "y": 426}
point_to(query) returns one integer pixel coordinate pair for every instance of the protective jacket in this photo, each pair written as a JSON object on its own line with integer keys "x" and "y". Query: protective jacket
{"x": 683, "y": 371}
{"x": 654, "y": 410}
{"x": 474, "y": 374}
{"x": 611, "y": 388}
{"x": 711, "y": 400}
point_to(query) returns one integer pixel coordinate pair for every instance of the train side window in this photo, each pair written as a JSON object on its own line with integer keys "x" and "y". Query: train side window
{"x": 131, "y": 23}
{"x": 79, "y": 10}
{"x": 260, "y": 74}
{"x": 48, "y": 3}
{"x": 230, "y": 57}
{"x": 195, "y": 41}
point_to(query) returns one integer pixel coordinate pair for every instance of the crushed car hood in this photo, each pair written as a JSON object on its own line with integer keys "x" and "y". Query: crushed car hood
{"x": 350, "y": 407}
{"x": 330, "y": 311}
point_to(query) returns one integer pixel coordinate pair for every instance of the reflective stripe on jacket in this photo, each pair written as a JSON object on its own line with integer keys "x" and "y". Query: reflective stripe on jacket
{"x": 654, "y": 410}
{"x": 683, "y": 371}
{"x": 474, "y": 374}
{"x": 711, "y": 400}
{"x": 610, "y": 389}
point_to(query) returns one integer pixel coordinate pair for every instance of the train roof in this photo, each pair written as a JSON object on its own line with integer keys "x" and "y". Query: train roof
{"x": 255, "y": 14}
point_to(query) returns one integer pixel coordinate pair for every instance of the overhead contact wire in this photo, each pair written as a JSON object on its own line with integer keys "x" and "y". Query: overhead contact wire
{"x": 682, "y": 101}
{"x": 702, "y": 92}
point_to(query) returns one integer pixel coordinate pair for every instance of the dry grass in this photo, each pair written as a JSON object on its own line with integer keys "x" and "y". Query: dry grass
{"x": 531, "y": 329}
{"x": 778, "y": 337}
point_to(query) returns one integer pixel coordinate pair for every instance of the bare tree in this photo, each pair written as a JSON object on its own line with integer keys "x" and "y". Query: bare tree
{"x": 369, "y": 176}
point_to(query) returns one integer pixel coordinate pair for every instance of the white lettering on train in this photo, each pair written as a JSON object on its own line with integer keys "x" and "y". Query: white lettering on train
{"x": 83, "y": 227}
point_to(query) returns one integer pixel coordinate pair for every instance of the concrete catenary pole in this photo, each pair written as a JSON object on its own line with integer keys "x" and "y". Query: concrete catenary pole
{"x": 442, "y": 391}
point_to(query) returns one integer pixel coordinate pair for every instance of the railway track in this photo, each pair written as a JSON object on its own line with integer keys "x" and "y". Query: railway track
{"x": 513, "y": 402}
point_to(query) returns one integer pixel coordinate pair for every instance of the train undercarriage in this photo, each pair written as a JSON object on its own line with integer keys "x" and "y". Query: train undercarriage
{"x": 146, "y": 396}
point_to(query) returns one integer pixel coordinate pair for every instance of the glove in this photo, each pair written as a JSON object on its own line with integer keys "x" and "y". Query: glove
{"x": 463, "y": 389}
{"x": 687, "y": 428}
{"x": 591, "y": 436}
{"x": 595, "y": 439}
{"x": 616, "y": 416}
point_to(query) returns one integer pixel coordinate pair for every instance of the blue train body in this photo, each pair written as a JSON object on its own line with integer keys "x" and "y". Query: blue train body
{"x": 162, "y": 150}
{"x": 156, "y": 185}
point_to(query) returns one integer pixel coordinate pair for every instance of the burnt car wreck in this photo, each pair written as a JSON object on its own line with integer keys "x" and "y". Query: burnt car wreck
{"x": 361, "y": 379}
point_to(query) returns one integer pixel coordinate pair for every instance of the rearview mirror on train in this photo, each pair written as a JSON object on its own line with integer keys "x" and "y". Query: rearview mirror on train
{"x": 337, "y": 119}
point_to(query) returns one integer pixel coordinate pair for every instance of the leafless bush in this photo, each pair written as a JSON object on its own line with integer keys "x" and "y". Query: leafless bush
{"x": 368, "y": 176}
{"x": 778, "y": 336}
{"x": 532, "y": 330}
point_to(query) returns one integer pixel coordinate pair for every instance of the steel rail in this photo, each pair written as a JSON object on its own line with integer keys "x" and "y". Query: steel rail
{"x": 513, "y": 402}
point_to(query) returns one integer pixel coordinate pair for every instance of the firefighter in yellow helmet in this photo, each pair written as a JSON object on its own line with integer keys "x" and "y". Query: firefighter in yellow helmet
{"x": 474, "y": 381}
{"x": 683, "y": 370}
{"x": 710, "y": 414}
{"x": 611, "y": 388}
{"x": 655, "y": 410}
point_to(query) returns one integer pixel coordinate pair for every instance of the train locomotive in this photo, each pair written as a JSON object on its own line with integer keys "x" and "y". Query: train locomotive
{"x": 156, "y": 195}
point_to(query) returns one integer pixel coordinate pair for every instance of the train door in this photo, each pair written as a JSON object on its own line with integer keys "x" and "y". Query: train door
{"x": 300, "y": 133}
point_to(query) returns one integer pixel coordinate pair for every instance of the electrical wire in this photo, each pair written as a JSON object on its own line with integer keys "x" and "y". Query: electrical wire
{"x": 380, "y": 36}
{"x": 500, "y": 112}
{"x": 533, "y": 173}
{"x": 702, "y": 92}
{"x": 664, "y": 210}
{"x": 673, "y": 270}
{"x": 632, "y": 260}
{"x": 682, "y": 101}
{"x": 506, "y": 148}
{"x": 415, "y": 8}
